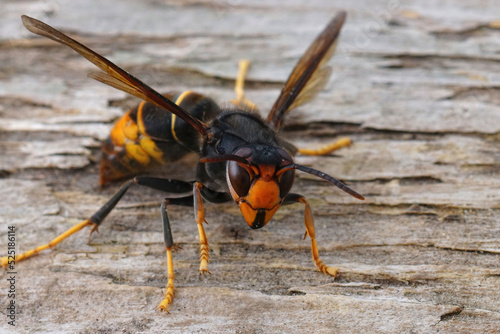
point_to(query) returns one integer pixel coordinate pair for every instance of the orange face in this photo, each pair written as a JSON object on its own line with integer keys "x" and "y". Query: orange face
{"x": 259, "y": 178}
{"x": 258, "y": 190}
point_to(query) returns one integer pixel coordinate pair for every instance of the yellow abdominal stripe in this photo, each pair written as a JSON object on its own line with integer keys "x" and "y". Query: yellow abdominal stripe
{"x": 140, "y": 123}
{"x": 149, "y": 146}
{"x": 137, "y": 153}
{"x": 146, "y": 148}
{"x": 143, "y": 150}
{"x": 174, "y": 117}
{"x": 131, "y": 130}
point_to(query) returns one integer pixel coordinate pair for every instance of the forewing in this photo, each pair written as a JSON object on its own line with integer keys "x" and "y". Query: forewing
{"x": 115, "y": 77}
{"x": 120, "y": 85}
{"x": 311, "y": 73}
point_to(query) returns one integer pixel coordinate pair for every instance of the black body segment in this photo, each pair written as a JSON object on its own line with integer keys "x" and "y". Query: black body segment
{"x": 167, "y": 231}
{"x": 231, "y": 130}
{"x": 164, "y": 127}
{"x": 148, "y": 136}
{"x": 104, "y": 211}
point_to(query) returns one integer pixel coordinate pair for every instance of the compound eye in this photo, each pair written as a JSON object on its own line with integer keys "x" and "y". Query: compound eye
{"x": 239, "y": 178}
{"x": 286, "y": 182}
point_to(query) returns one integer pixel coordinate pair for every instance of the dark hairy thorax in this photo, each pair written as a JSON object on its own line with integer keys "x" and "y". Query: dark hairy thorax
{"x": 229, "y": 131}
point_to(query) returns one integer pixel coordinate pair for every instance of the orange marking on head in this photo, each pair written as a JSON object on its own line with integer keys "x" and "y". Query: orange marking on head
{"x": 252, "y": 217}
{"x": 267, "y": 172}
{"x": 263, "y": 198}
{"x": 248, "y": 213}
{"x": 264, "y": 195}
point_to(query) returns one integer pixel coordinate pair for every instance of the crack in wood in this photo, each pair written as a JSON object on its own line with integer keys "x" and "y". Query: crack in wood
{"x": 451, "y": 315}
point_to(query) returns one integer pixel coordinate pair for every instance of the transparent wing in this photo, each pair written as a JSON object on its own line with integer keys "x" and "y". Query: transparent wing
{"x": 114, "y": 75}
{"x": 311, "y": 73}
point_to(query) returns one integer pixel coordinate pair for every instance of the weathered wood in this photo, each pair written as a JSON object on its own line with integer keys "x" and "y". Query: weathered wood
{"x": 415, "y": 85}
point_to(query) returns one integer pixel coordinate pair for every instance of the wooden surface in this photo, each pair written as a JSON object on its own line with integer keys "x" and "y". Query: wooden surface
{"x": 416, "y": 85}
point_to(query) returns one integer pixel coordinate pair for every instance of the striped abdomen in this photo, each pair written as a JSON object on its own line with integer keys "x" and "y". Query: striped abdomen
{"x": 148, "y": 136}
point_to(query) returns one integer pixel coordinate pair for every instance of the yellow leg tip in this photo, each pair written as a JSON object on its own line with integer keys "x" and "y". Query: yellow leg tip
{"x": 163, "y": 307}
{"x": 167, "y": 300}
{"x": 204, "y": 257}
{"x": 344, "y": 142}
{"x": 331, "y": 271}
{"x": 204, "y": 267}
{"x": 204, "y": 271}
{"x": 341, "y": 143}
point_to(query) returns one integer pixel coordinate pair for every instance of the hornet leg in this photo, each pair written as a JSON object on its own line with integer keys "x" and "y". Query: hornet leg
{"x": 169, "y": 246}
{"x": 189, "y": 200}
{"x": 171, "y": 186}
{"x": 241, "y": 101}
{"x": 295, "y": 198}
{"x": 323, "y": 150}
{"x": 199, "y": 213}
{"x": 93, "y": 221}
